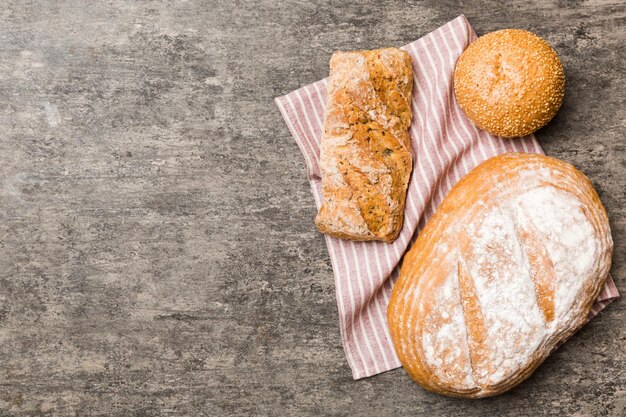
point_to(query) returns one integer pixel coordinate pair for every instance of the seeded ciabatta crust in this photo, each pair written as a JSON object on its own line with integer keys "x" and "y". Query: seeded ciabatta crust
{"x": 509, "y": 82}
{"x": 504, "y": 272}
{"x": 366, "y": 156}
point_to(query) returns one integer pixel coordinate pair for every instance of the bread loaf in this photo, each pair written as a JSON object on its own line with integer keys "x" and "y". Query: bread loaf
{"x": 504, "y": 272}
{"x": 365, "y": 156}
{"x": 509, "y": 82}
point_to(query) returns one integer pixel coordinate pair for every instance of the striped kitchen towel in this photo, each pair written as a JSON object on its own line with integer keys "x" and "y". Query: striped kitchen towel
{"x": 446, "y": 147}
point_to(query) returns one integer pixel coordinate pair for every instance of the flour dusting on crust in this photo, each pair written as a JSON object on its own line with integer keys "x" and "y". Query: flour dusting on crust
{"x": 565, "y": 231}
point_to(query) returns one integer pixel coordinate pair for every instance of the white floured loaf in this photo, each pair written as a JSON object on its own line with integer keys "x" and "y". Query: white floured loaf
{"x": 505, "y": 271}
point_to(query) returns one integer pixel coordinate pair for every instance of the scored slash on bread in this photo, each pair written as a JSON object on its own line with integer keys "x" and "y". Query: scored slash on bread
{"x": 474, "y": 320}
{"x": 504, "y": 272}
{"x": 366, "y": 156}
{"x": 541, "y": 268}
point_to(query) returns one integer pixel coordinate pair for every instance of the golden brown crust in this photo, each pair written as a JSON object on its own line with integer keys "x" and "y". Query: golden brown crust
{"x": 366, "y": 157}
{"x": 509, "y": 82}
{"x": 505, "y": 271}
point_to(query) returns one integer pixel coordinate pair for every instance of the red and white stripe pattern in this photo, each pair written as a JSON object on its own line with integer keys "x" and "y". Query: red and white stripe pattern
{"x": 446, "y": 147}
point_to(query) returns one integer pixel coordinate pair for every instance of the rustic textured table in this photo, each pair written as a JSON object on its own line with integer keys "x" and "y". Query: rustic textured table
{"x": 157, "y": 248}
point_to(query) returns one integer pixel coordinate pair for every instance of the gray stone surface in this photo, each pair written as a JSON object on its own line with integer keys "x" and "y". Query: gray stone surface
{"x": 157, "y": 248}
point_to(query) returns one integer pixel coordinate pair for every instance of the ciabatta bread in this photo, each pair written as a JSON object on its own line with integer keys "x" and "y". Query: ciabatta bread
{"x": 365, "y": 156}
{"x": 505, "y": 271}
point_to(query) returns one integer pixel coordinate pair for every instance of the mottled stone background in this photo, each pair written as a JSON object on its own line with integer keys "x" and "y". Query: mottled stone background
{"x": 157, "y": 248}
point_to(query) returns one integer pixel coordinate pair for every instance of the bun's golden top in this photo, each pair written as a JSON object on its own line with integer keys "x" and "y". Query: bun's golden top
{"x": 509, "y": 82}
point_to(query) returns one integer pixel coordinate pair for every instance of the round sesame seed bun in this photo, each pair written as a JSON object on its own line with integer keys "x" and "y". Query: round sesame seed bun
{"x": 509, "y": 82}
